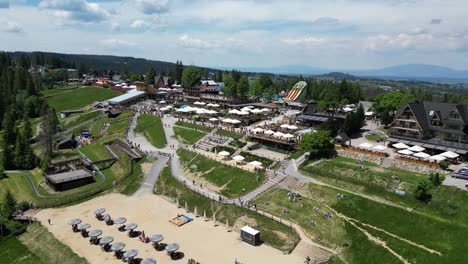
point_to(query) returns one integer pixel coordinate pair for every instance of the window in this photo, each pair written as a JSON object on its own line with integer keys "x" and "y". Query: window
{"x": 454, "y": 115}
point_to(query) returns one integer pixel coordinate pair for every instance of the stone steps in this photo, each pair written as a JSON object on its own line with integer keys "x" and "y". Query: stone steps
{"x": 270, "y": 183}
{"x": 304, "y": 249}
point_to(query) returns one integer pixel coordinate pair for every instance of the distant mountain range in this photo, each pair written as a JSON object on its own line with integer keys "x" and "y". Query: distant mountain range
{"x": 407, "y": 71}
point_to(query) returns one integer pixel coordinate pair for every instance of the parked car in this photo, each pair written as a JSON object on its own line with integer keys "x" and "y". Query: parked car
{"x": 460, "y": 176}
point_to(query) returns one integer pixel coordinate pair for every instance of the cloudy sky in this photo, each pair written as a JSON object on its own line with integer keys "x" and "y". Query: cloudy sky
{"x": 339, "y": 34}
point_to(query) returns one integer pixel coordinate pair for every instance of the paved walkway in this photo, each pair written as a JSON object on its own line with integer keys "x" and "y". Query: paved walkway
{"x": 147, "y": 186}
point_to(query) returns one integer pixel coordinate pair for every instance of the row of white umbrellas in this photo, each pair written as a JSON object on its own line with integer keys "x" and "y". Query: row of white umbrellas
{"x": 370, "y": 146}
{"x": 290, "y": 127}
{"x": 239, "y": 158}
{"x": 407, "y": 150}
{"x": 231, "y": 121}
{"x": 210, "y": 104}
{"x": 197, "y": 110}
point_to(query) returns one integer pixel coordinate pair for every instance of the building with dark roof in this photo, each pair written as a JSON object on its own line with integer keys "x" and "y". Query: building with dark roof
{"x": 442, "y": 126}
{"x": 67, "y": 142}
{"x": 68, "y": 180}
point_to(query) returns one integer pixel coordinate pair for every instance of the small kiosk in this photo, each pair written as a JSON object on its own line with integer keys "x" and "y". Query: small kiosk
{"x": 250, "y": 235}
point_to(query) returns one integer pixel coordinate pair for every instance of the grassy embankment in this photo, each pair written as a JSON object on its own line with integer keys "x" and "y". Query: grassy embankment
{"x": 230, "y": 179}
{"x": 152, "y": 127}
{"x": 37, "y": 246}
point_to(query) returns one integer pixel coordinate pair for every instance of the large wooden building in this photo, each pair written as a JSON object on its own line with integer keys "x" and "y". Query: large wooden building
{"x": 439, "y": 126}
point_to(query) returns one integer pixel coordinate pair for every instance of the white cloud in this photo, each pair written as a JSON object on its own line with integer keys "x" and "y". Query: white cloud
{"x": 304, "y": 41}
{"x": 401, "y": 41}
{"x": 195, "y": 43}
{"x": 116, "y": 42}
{"x": 139, "y": 23}
{"x": 78, "y": 10}
{"x": 151, "y": 7}
{"x": 13, "y": 27}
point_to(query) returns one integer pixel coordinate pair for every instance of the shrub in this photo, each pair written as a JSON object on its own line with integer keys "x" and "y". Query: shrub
{"x": 444, "y": 164}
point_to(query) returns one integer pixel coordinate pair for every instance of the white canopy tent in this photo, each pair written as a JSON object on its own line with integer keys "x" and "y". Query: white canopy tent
{"x": 258, "y": 130}
{"x": 269, "y": 132}
{"x": 449, "y": 154}
{"x": 400, "y": 146}
{"x": 278, "y": 134}
{"x": 287, "y": 136}
{"x": 213, "y": 119}
{"x": 417, "y": 148}
{"x": 405, "y": 152}
{"x": 438, "y": 158}
{"x": 366, "y": 145}
{"x": 380, "y": 147}
{"x": 238, "y": 158}
{"x": 255, "y": 163}
{"x": 224, "y": 153}
{"x": 422, "y": 155}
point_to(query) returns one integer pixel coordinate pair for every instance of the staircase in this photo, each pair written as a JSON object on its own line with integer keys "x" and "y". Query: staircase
{"x": 272, "y": 180}
{"x": 133, "y": 153}
{"x": 317, "y": 255}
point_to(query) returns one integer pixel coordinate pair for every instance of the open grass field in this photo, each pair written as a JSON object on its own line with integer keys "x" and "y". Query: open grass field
{"x": 447, "y": 202}
{"x": 273, "y": 233}
{"x": 96, "y": 151}
{"x": 372, "y": 137}
{"x": 230, "y": 134}
{"x": 78, "y": 118}
{"x": 231, "y": 179}
{"x": 187, "y": 135}
{"x": 76, "y": 98}
{"x": 442, "y": 235}
{"x": 151, "y": 126}
{"x": 46, "y": 248}
{"x": 193, "y": 126}
{"x": 19, "y": 186}
{"x": 14, "y": 252}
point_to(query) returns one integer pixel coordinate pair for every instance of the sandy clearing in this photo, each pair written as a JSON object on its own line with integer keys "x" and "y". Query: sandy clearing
{"x": 199, "y": 239}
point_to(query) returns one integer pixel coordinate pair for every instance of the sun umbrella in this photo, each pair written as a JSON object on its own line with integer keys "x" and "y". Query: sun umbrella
{"x": 120, "y": 220}
{"x": 213, "y": 119}
{"x": 130, "y": 227}
{"x": 106, "y": 240}
{"x": 284, "y": 126}
{"x": 238, "y": 158}
{"x": 269, "y": 132}
{"x": 117, "y": 246}
{"x": 83, "y": 227}
{"x": 100, "y": 211}
{"x": 405, "y": 152}
{"x": 95, "y": 233}
{"x": 256, "y": 130}
{"x": 400, "y": 146}
{"x": 288, "y": 136}
{"x": 278, "y": 134}
{"x": 293, "y": 127}
{"x": 157, "y": 238}
{"x": 148, "y": 261}
{"x": 417, "y": 148}
{"x": 224, "y": 153}
{"x": 172, "y": 247}
{"x": 75, "y": 221}
{"x": 366, "y": 145}
{"x": 438, "y": 158}
{"x": 421, "y": 155}
{"x": 130, "y": 253}
{"x": 255, "y": 163}
{"x": 449, "y": 154}
{"x": 243, "y": 113}
{"x": 380, "y": 147}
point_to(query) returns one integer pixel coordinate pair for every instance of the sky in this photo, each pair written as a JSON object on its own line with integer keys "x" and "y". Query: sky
{"x": 332, "y": 34}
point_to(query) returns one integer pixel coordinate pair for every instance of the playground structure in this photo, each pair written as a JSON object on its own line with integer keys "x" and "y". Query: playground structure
{"x": 295, "y": 92}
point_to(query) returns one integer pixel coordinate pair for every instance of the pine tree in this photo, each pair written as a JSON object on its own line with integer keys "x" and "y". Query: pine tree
{"x": 9, "y": 205}
{"x": 19, "y": 151}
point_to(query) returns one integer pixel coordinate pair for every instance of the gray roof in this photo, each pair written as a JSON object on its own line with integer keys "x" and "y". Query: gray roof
{"x": 424, "y": 111}
{"x": 66, "y": 139}
{"x": 68, "y": 176}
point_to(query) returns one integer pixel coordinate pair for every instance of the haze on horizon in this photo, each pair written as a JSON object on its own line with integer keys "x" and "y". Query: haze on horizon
{"x": 334, "y": 34}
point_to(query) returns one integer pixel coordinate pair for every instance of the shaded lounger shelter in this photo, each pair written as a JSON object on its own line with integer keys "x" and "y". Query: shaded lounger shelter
{"x": 74, "y": 223}
{"x": 117, "y": 248}
{"x": 148, "y": 261}
{"x": 130, "y": 228}
{"x": 155, "y": 239}
{"x": 105, "y": 243}
{"x": 172, "y": 249}
{"x": 108, "y": 219}
{"x": 130, "y": 255}
{"x": 83, "y": 228}
{"x": 120, "y": 221}
{"x": 93, "y": 234}
{"x": 99, "y": 213}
